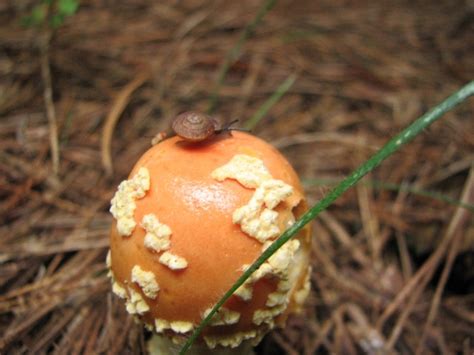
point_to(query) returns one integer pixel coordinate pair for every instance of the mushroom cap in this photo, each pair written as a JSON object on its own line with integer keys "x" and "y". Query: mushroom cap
{"x": 198, "y": 209}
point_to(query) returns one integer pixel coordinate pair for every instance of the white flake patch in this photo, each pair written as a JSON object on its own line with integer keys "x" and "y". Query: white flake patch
{"x": 267, "y": 315}
{"x": 146, "y": 280}
{"x": 276, "y": 266}
{"x": 276, "y": 299}
{"x": 108, "y": 259}
{"x": 136, "y": 304}
{"x": 223, "y": 317}
{"x": 158, "y": 234}
{"x": 248, "y": 171}
{"x": 174, "y": 262}
{"x": 118, "y": 290}
{"x": 257, "y": 220}
{"x": 177, "y": 326}
{"x": 284, "y": 285}
{"x": 275, "y": 191}
{"x": 231, "y": 341}
{"x": 108, "y": 263}
{"x": 245, "y": 292}
{"x": 161, "y": 325}
{"x": 280, "y": 261}
{"x": 123, "y": 203}
{"x": 181, "y": 326}
{"x": 301, "y": 295}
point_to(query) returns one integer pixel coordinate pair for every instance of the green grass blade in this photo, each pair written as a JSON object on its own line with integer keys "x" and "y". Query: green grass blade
{"x": 388, "y": 149}
{"x": 272, "y": 100}
{"x": 381, "y": 185}
{"x": 233, "y": 54}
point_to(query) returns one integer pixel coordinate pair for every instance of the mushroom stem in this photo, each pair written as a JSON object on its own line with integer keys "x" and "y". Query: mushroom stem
{"x": 161, "y": 345}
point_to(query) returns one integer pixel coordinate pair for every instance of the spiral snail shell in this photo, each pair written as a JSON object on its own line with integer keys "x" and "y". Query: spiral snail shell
{"x": 195, "y": 127}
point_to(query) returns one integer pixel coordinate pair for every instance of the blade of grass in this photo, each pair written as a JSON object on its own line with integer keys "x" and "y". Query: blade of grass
{"x": 272, "y": 100}
{"x": 388, "y": 149}
{"x": 381, "y": 185}
{"x": 233, "y": 54}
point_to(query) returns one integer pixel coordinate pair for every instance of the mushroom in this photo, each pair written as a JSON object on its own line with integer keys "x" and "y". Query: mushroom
{"x": 188, "y": 222}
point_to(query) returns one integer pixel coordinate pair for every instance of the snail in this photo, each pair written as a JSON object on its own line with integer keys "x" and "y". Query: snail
{"x": 195, "y": 127}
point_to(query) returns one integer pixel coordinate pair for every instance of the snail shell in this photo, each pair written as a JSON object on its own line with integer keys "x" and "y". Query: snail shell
{"x": 195, "y": 127}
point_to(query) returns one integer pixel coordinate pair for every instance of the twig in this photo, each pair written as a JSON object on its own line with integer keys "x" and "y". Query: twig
{"x": 48, "y": 100}
{"x": 118, "y": 106}
{"x": 425, "y": 272}
{"x": 26, "y": 323}
{"x": 368, "y": 338}
{"x": 370, "y": 223}
{"x": 460, "y": 218}
{"x": 321, "y": 334}
{"x": 61, "y": 322}
{"x": 289, "y": 350}
{"x": 344, "y": 238}
{"x": 405, "y": 261}
{"x": 408, "y": 309}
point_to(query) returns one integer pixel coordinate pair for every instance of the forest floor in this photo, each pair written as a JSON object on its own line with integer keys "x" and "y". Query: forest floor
{"x": 393, "y": 258}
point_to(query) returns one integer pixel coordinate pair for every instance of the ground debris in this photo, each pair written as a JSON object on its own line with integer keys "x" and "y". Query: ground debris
{"x": 365, "y": 70}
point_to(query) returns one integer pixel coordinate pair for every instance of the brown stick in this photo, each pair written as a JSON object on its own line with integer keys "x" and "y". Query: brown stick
{"x": 118, "y": 106}
{"x": 460, "y": 218}
{"x": 48, "y": 100}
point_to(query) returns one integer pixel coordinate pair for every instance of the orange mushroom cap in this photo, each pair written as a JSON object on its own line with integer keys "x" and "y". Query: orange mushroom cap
{"x": 195, "y": 213}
